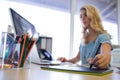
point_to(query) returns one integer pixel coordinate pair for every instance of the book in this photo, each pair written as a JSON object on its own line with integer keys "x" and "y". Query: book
{"x": 78, "y": 70}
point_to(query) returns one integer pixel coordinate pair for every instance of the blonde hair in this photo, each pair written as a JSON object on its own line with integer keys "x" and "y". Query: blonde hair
{"x": 93, "y": 14}
{"x": 96, "y": 22}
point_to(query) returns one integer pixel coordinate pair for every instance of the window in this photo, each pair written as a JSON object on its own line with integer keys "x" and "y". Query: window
{"x": 48, "y": 22}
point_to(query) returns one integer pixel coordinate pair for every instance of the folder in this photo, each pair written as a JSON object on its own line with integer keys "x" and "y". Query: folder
{"x": 78, "y": 70}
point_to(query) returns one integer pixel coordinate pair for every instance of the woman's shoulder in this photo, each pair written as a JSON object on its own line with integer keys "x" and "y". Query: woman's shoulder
{"x": 104, "y": 37}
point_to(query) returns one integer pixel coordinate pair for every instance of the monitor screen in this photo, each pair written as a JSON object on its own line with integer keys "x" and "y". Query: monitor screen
{"x": 21, "y": 25}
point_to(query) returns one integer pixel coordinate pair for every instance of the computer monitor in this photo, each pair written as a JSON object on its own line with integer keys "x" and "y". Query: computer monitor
{"x": 21, "y": 25}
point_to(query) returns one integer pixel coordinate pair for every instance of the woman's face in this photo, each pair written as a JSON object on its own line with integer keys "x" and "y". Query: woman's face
{"x": 84, "y": 18}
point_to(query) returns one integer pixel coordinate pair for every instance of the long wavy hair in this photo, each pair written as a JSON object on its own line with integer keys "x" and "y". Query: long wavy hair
{"x": 96, "y": 22}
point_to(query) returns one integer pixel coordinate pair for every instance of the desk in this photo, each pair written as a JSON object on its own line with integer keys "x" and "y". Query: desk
{"x": 35, "y": 73}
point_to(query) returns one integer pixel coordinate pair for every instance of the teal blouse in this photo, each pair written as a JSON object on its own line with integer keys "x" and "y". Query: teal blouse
{"x": 89, "y": 50}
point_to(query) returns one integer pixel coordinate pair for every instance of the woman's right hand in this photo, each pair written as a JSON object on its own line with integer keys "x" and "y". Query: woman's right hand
{"x": 62, "y": 59}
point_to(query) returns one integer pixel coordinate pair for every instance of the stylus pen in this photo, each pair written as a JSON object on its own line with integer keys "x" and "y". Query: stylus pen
{"x": 95, "y": 54}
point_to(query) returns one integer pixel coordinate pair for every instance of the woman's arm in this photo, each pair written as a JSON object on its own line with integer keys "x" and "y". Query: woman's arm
{"x": 102, "y": 60}
{"x": 73, "y": 60}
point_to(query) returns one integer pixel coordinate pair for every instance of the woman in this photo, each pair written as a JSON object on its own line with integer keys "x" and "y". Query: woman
{"x": 93, "y": 35}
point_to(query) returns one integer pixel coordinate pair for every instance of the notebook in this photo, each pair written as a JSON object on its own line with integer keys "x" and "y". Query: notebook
{"x": 78, "y": 70}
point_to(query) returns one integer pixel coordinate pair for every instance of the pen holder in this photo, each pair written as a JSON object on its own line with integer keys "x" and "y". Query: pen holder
{"x": 9, "y": 51}
{"x": 16, "y": 53}
{"x": 11, "y": 55}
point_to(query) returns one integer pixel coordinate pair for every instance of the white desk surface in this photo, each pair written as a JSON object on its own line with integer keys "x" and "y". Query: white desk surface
{"x": 35, "y": 73}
